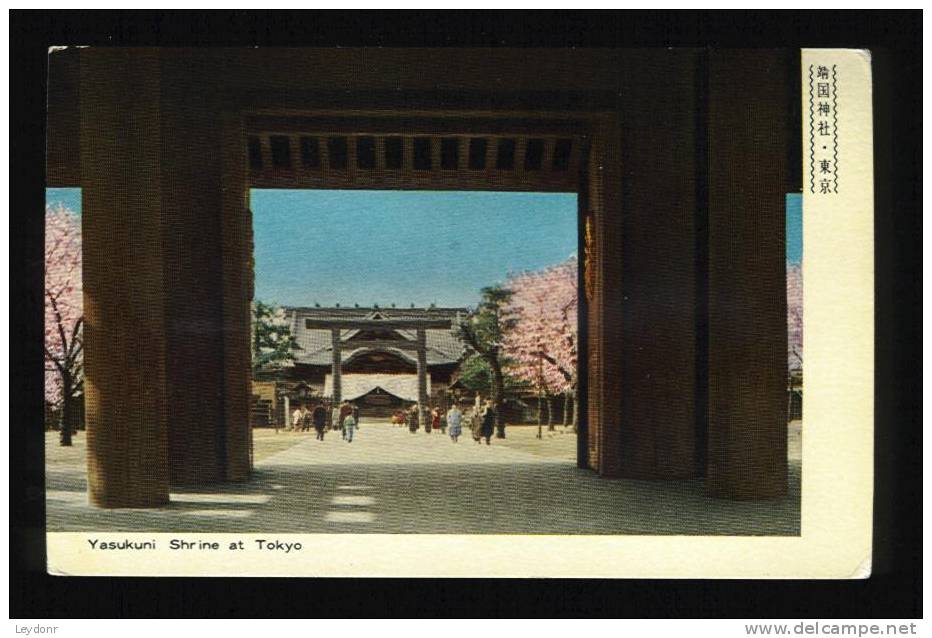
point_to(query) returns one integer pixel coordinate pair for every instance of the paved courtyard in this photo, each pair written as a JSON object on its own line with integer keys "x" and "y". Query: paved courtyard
{"x": 391, "y": 481}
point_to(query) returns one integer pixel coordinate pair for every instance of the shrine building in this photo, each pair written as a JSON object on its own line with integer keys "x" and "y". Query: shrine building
{"x": 381, "y": 364}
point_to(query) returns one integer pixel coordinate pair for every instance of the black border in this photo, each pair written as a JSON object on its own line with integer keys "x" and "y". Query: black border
{"x": 894, "y": 591}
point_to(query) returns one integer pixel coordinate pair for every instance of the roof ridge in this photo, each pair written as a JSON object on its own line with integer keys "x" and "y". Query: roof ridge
{"x": 373, "y": 309}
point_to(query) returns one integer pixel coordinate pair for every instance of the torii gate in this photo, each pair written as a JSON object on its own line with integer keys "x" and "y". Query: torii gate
{"x": 419, "y": 345}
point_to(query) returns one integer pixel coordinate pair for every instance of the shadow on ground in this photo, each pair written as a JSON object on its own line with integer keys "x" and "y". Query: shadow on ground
{"x": 500, "y": 492}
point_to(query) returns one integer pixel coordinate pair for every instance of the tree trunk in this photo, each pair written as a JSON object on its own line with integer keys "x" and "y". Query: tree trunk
{"x": 550, "y": 426}
{"x": 566, "y": 409}
{"x": 540, "y": 413}
{"x": 65, "y": 426}
{"x": 498, "y": 397}
{"x": 575, "y": 412}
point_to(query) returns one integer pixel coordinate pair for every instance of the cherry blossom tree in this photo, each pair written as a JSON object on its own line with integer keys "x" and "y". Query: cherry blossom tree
{"x": 794, "y": 316}
{"x": 543, "y": 345}
{"x": 64, "y": 371}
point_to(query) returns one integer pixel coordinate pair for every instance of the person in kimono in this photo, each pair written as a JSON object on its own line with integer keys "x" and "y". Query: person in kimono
{"x": 349, "y": 427}
{"x": 435, "y": 420}
{"x": 475, "y": 424}
{"x": 335, "y": 417}
{"x": 454, "y": 422}
{"x": 296, "y": 417}
{"x": 345, "y": 410}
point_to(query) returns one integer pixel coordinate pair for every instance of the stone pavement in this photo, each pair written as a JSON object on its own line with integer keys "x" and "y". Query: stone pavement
{"x": 390, "y": 481}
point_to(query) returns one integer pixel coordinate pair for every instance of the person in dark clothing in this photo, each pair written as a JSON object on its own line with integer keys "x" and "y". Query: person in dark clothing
{"x": 413, "y": 419}
{"x": 488, "y": 423}
{"x": 319, "y": 417}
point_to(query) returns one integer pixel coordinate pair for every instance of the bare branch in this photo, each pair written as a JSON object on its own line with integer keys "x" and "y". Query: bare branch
{"x": 74, "y": 336}
{"x": 471, "y": 340}
{"x": 546, "y": 357}
{"x": 51, "y": 357}
{"x": 59, "y": 323}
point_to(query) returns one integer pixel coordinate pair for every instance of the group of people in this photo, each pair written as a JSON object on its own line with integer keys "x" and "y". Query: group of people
{"x": 434, "y": 419}
{"x": 481, "y": 421}
{"x": 343, "y": 417}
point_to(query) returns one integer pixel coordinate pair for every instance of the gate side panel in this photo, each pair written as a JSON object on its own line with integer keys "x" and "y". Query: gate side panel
{"x": 650, "y": 285}
{"x": 748, "y": 181}
{"x": 124, "y": 285}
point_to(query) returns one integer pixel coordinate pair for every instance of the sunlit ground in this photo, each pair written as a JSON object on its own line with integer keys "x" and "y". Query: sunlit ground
{"x": 391, "y": 481}
{"x": 560, "y": 443}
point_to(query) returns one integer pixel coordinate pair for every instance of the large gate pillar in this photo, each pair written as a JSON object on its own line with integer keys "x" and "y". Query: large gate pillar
{"x": 124, "y": 285}
{"x": 750, "y": 104}
{"x": 421, "y": 372}
{"x": 209, "y": 426}
{"x": 337, "y": 369}
{"x": 642, "y": 326}
{"x": 237, "y": 284}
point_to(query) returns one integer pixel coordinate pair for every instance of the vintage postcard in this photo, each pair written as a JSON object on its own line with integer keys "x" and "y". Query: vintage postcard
{"x": 459, "y": 312}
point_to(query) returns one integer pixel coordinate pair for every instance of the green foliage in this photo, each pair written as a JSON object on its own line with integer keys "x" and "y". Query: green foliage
{"x": 476, "y": 376}
{"x": 273, "y": 345}
{"x": 483, "y": 332}
{"x": 484, "y": 329}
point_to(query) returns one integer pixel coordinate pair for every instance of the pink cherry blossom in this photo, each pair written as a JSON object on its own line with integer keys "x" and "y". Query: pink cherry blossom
{"x": 794, "y": 315}
{"x": 542, "y": 347}
{"x": 63, "y": 303}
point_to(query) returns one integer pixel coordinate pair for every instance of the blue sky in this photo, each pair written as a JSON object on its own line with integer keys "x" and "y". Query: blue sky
{"x": 70, "y": 197}
{"x": 408, "y": 247}
{"x": 794, "y": 228}
{"x": 402, "y": 247}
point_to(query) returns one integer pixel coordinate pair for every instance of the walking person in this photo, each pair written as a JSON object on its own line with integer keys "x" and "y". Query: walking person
{"x": 455, "y": 422}
{"x": 335, "y": 417}
{"x": 435, "y": 419}
{"x": 345, "y": 410}
{"x": 413, "y": 420}
{"x": 349, "y": 427}
{"x": 319, "y": 418}
{"x": 488, "y": 422}
{"x": 475, "y": 425}
{"x": 296, "y": 417}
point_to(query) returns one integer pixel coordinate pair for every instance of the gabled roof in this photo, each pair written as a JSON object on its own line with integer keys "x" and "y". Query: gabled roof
{"x": 315, "y": 346}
